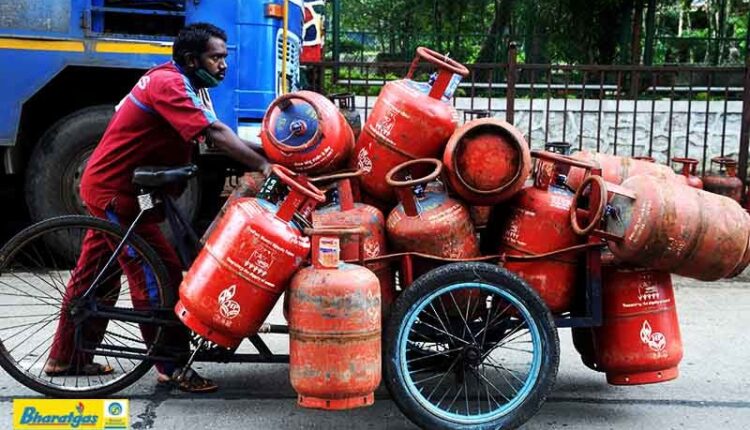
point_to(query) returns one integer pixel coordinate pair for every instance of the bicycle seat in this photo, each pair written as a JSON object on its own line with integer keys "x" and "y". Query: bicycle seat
{"x": 155, "y": 177}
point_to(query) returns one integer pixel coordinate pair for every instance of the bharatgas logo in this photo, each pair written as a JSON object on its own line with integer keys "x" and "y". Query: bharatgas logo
{"x": 42, "y": 414}
{"x": 32, "y": 417}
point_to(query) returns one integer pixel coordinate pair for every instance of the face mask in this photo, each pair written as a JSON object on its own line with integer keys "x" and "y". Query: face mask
{"x": 206, "y": 79}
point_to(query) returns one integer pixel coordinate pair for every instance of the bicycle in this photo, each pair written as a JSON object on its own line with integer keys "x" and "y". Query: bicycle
{"x": 34, "y": 277}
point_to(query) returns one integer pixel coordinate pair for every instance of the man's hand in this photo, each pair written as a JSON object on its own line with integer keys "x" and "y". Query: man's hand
{"x": 226, "y": 139}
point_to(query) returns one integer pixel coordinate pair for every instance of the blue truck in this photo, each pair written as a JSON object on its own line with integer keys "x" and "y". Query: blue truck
{"x": 66, "y": 64}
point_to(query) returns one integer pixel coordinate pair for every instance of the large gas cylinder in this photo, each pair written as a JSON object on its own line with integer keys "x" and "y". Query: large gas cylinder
{"x": 639, "y": 341}
{"x": 346, "y": 211}
{"x": 334, "y": 328}
{"x": 725, "y": 182}
{"x": 249, "y": 185}
{"x": 245, "y": 265}
{"x": 688, "y": 172}
{"x": 410, "y": 120}
{"x": 306, "y": 132}
{"x": 426, "y": 221}
{"x": 667, "y": 226}
{"x": 616, "y": 169}
{"x": 538, "y": 223}
{"x": 348, "y": 108}
{"x": 486, "y": 161}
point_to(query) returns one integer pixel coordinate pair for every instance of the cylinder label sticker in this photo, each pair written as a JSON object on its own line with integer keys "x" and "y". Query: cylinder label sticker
{"x": 328, "y": 251}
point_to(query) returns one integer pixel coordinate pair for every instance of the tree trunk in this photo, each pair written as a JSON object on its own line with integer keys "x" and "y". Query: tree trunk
{"x": 648, "y": 52}
{"x": 490, "y": 50}
{"x": 635, "y": 44}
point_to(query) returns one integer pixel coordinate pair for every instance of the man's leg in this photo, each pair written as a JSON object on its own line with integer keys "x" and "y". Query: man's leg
{"x": 144, "y": 289}
{"x": 95, "y": 252}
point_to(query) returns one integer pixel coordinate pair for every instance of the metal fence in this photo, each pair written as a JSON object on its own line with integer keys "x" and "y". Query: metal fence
{"x": 662, "y": 112}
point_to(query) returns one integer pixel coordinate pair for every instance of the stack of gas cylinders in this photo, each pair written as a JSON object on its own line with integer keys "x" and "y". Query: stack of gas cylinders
{"x": 411, "y": 179}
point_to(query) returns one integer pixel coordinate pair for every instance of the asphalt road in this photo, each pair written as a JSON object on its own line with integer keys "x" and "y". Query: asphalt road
{"x": 713, "y": 390}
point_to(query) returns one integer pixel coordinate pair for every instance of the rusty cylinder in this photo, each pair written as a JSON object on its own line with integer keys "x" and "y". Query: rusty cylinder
{"x": 334, "y": 328}
{"x": 726, "y": 182}
{"x": 486, "y": 161}
{"x": 677, "y": 229}
{"x": 688, "y": 173}
{"x": 616, "y": 169}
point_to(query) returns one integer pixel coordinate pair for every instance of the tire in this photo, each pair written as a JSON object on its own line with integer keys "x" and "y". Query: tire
{"x": 32, "y": 279}
{"x": 465, "y": 345}
{"x": 54, "y": 172}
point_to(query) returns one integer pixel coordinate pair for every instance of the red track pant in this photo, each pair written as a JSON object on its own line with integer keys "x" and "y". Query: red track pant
{"x": 96, "y": 250}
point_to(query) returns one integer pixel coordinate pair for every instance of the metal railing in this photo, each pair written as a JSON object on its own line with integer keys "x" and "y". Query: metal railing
{"x": 659, "y": 111}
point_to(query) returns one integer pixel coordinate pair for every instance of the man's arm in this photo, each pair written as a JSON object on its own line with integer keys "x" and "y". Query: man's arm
{"x": 224, "y": 138}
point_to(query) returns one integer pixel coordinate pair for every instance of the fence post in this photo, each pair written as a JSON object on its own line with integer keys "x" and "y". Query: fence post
{"x": 510, "y": 95}
{"x": 745, "y": 127}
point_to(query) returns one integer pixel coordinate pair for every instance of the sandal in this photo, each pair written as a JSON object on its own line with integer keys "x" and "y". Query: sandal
{"x": 88, "y": 369}
{"x": 191, "y": 382}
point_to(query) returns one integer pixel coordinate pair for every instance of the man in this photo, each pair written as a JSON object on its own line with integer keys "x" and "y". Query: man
{"x": 156, "y": 124}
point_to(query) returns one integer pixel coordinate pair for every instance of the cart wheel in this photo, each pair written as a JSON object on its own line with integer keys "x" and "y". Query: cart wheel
{"x": 454, "y": 364}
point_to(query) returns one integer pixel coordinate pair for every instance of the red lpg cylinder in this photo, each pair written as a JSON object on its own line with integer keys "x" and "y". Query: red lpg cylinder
{"x": 726, "y": 181}
{"x": 306, "y": 132}
{"x": 486, "y": 161}
{"x": 410, "y": 120}
{"x": 245, "y": 265}
{"x": 334, "y": 328}
{"x": 639, "y": 341}
{"x": 676, "y": 229}
{"x": 688, "y": 173}
{"x": 616, "y": 169}
{"x": 249, "y": 185}
{"x": 426, "y": 221}
{"x": 538, "y": 223}
{"x": 347, "y": 212}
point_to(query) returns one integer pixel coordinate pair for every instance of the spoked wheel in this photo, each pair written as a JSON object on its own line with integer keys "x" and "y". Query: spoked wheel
{"x": 39, "y": 286}
{"x": 470, "y": 345}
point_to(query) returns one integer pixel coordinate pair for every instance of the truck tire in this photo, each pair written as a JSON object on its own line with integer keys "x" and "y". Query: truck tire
{"x": 54, "y": 171}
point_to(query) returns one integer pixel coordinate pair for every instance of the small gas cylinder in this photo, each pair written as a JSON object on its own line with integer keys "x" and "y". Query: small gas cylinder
{"x": 246, "y": 264}
{"x": 616, "y": 169}
{"x": 306, "y": 132}
{"x": 538, "y": 223}
{"x": 426, "y": 221}
{"x": 667, "y": 226}
{"x": 348, "y": 108}
{"x": 726, "y": 181}
{"x": 249, "y": 185}
{"x": 410, "y": 120}
{"x": 688, "y": 174}
{"x": 346, "y": 211}
{"x": 486, "y": 161}
{"x": 639, "y": 341}
{"x": 334, "y": 328}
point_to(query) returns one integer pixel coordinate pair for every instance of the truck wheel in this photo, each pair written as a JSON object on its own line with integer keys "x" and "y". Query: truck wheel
{"x": 53, "y": 176}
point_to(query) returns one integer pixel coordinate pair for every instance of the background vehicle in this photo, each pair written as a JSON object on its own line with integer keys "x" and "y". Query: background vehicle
{"x": 68, "y": 62}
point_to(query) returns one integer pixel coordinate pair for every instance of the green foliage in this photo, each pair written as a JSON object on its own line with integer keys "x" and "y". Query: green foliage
{"x": 558, "y": 31}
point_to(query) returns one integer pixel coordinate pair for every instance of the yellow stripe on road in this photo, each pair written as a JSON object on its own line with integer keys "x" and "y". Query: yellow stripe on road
{"x": 42, "y": 45}
{"x": 133, "y": 48}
